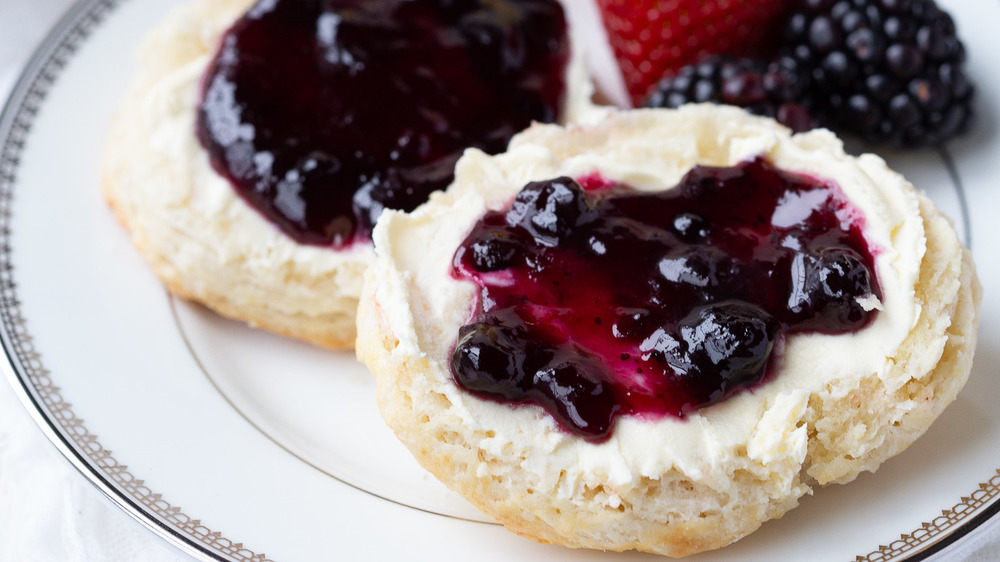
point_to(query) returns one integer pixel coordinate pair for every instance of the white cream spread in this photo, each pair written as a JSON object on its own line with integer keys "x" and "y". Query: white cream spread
{"x": 651, "y": 150}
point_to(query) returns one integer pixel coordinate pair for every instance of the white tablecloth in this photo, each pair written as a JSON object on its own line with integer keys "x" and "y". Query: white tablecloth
{"x": 49, "y": 512}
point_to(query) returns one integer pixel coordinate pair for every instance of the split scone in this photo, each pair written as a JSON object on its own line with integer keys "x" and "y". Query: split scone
{"x": 659, "y": 331}
{"x": 259, "y": 142}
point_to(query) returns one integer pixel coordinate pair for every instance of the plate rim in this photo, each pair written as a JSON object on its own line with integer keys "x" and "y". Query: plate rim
{"x": 25, "y": 371}
{"x": 23, "y": 367}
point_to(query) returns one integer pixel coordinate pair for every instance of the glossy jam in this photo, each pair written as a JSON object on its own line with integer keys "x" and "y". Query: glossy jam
{"x": 604, "y": 301}
{"x": 323, "y": 112}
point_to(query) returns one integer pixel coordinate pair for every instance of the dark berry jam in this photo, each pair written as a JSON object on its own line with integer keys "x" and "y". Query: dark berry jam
{"x": 323, "y": 112}
{"x": 607, "y": 301}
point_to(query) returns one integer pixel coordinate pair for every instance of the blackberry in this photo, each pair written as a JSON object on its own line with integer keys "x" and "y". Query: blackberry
{"x": 889, "y": 71}
{"x": 778, "y": 89}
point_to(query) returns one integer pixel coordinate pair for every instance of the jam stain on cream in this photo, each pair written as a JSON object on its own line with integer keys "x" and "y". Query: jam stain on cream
{"x": 321, "y": 113}
{"x": 602, "y": 301}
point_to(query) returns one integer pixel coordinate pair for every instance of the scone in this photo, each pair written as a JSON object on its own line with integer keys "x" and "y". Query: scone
{"x": 795, "y": 343}
{"x": 249, "y": 175}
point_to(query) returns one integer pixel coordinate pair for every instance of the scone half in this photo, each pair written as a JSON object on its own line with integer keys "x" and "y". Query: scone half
{"x": 204, "y": 241}
{"x": 837, "y": 406}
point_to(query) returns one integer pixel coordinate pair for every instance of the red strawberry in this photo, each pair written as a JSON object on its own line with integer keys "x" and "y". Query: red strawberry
{"x": 654, "y": 38}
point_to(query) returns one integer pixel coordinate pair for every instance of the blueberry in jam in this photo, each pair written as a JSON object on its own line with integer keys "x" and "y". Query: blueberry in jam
{"x": 497, "y": 356}
{"x": 322, "y": 113}
{"x": 548, "y": 211}
{"x": 604, "y": 301}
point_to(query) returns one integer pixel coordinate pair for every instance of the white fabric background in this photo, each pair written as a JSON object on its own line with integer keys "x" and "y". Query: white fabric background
{"x": 49, "y": 512}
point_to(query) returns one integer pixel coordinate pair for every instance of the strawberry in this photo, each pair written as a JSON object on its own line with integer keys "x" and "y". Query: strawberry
{"x": 652, "y": 39}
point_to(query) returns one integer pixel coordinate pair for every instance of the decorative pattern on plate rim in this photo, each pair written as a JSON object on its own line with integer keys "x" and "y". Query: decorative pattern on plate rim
{"x": 29, "y": 368}
{"x": 929, "y": 533}
{"x": 70, "y": 432}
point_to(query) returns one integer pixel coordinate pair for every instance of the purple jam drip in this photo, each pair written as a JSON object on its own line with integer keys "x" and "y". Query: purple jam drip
{"x": 322, "y": 113}
{"x": 604, "y": 301}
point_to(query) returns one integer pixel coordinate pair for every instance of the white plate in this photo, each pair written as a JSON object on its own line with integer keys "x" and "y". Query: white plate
{"x": 238, "y": 445}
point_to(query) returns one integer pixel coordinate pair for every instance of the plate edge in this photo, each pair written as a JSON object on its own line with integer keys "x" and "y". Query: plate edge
{"x": 55, "y": 417}
{"x": 23, "y": 366}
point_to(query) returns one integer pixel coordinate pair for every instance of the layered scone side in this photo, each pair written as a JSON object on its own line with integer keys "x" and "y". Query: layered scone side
{"x": 839, "y": 404}
{"x": 202, "y": 239}
{"x": 894, "y": 406}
